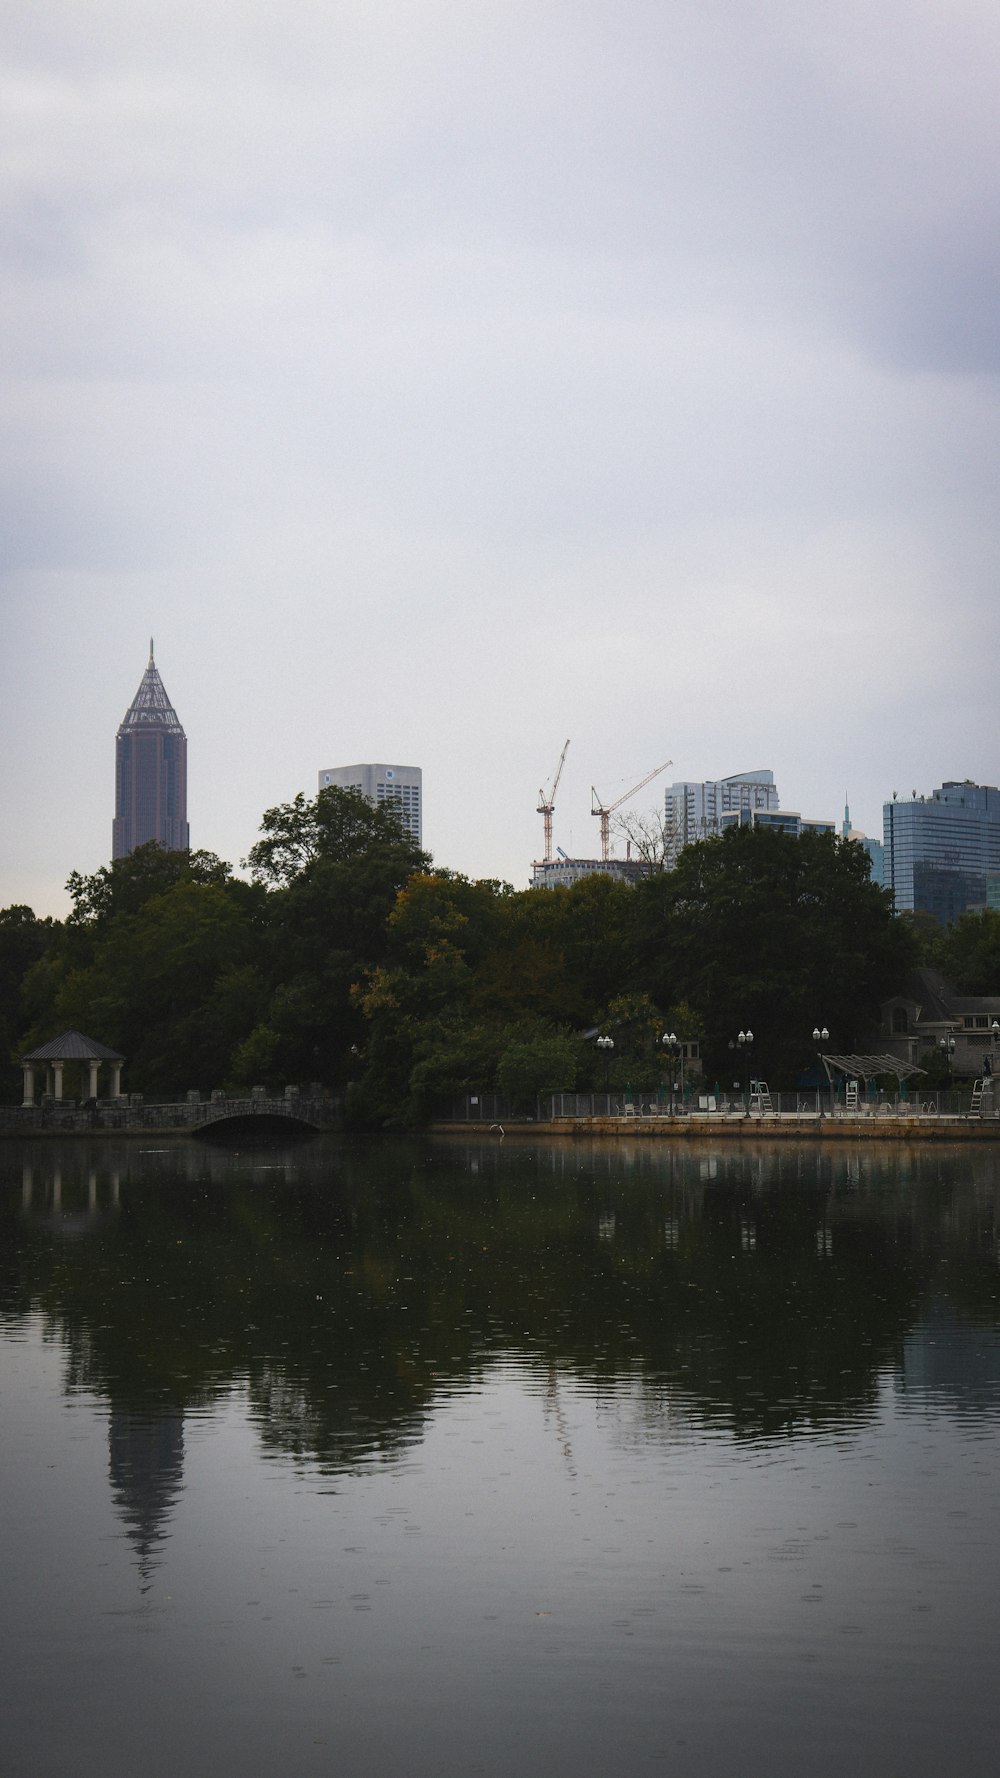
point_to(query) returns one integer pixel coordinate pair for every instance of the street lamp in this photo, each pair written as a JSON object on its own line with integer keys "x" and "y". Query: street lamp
{"x": 818, "y": 1038}
{"x": 673, "y": 1049}
{"x": 743, "y": 1043}
{"x": 606, "y": 1045}
{"x": 947, "y": 1047}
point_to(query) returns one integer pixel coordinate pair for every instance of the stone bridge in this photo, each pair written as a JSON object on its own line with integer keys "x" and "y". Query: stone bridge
{"x": 192, "y": 1116}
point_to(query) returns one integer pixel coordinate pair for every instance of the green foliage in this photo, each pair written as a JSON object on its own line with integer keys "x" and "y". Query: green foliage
{"x": 764, "y": 932}
{"x": 24, "y": 941}
{"x": 349, "y": 961}
{"x": 125, "y": 886}
{"x": 969, "y": 952}
{"x": 542, "y": 1062}
{"x": 171, "y": 985}
{"x": 336, "y": 865}
{"x": 338, "y": 826}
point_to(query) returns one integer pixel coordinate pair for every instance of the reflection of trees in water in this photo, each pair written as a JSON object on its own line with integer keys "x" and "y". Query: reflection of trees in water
{"x": 345, "y": 1285}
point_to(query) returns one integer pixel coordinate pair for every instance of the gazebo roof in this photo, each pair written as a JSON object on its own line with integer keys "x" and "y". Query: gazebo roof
{"x": 72, "y": 1046}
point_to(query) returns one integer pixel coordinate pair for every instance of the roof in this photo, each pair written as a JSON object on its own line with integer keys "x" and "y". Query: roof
{"x": 72, "y": 1046}
{"x": 869, "y": 1067}
{"x": 937, "y": 1001}
{"x": 151, "y": 708}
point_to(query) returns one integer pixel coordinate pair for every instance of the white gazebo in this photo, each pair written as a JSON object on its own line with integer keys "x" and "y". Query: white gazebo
{"x": 72, "y": 1046}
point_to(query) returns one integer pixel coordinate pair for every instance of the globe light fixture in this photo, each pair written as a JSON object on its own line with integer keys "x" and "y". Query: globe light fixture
{"x": 606, "y": 1045}
{"x": 673, "y": 1049}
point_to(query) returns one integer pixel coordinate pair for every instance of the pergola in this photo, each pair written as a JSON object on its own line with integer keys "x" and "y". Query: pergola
{"x": 72, "y": 1046}
{"x": 866, "y": 1068}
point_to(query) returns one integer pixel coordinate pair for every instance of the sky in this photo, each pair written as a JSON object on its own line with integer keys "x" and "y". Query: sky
{"x": 438, "y": 379}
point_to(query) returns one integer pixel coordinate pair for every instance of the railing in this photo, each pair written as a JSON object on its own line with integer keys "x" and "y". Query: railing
{"x": 805, "y": 1104}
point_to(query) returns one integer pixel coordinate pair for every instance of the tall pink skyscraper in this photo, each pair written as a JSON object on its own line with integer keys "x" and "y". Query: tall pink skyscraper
{"x": 150, "y": 772}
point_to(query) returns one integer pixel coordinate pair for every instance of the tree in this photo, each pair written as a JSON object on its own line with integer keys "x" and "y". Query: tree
{"x": 24, "y": 941}
{"x": 762, "y": 931}
{"x": 173, "y": 986}
{"x": 124, "y": 886}
{"x": 334, "y": 867}
{"x": 338, "y": 826}
{"x": 652, "y": 839}
{"x": 536, "y": 1063}
{"x": 968, "y": 953}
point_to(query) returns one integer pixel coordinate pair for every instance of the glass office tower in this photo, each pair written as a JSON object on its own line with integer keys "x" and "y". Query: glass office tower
{"x": 940, "y": 850}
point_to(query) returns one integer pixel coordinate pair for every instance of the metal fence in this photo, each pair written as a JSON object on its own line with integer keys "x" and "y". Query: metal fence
{"x": 805, "y": 1103}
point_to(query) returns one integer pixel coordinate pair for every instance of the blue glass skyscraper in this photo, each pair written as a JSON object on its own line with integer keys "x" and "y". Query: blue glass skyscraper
{"x": 941, "y": 849}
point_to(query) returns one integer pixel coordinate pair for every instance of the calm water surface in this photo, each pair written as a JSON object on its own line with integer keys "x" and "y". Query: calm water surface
{"x": 495, "y": 1458}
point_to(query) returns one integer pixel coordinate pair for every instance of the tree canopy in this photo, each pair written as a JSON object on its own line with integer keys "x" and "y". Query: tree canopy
{"x": 350, "y": 960}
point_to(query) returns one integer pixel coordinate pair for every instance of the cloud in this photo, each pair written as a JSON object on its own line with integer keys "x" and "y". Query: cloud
{"x": 475, "y": 375}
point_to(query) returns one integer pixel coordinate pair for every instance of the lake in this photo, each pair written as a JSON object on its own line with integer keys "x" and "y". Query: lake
{"x": 471, "y": 1456}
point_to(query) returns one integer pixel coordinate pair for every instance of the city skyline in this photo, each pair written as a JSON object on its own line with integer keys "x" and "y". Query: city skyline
{"x": 650, "y": 805}
{"x": 437, "y": 383}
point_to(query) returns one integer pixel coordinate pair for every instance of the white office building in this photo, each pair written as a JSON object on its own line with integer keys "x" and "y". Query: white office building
{"x": 695, "y": 811}
{"x": 400, "y": 785}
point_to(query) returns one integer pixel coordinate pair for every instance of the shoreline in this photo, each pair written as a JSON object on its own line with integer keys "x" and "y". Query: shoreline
{"x": 790, "y": 1126}
{"x": 697, "y": 1127}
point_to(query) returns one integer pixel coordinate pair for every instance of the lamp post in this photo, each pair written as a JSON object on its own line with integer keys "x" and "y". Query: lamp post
{"x": 743, "y": 1043}
{"x": 818, "y": 1038}
{"x": 606, "y": 1045}
{"x": 947, "y": 1047}
{"x": 673, "y": 1049}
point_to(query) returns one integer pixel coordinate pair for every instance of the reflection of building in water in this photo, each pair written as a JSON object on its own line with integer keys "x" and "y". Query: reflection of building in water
{"x": 88, "y": 1199}
{"x": 146, "y": 1470}
{"x": 947, "y": 1357}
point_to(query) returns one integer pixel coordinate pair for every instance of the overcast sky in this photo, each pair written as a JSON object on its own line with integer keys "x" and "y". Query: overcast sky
{"x": 438, "y": 379}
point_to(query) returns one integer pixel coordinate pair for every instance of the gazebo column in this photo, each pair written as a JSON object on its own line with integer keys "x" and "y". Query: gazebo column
{"x": 57, "y": 1069}
{"x": 29, "y": 1084}
{"x": 94, "y": 1065}
{"x": 116, "y": 1080}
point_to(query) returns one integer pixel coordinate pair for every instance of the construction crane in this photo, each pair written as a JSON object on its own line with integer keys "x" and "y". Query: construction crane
{"x": 546, "y": 804}
{"x": 605, "y": 811}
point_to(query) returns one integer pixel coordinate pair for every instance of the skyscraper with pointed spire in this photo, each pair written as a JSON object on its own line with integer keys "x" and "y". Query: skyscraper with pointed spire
{"x": 150, "y": 772}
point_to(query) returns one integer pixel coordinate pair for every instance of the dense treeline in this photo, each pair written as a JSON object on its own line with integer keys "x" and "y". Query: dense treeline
{"x": 346, "y": 958}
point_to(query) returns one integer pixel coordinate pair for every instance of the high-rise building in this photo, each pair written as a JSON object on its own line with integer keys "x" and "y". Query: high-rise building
{"x": 150, "y": 772}
{"x": 779, "y": 820}
{"x": 402, "y": 786}
{"x": 694, "y": 811}
{"x": 874, "y": 848}
{"x": 942, "y": 849}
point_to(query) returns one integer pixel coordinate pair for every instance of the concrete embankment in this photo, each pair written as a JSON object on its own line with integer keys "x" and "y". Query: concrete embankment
{"x": 717, "y": 1127}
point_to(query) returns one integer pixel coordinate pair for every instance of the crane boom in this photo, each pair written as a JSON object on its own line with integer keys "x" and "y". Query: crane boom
{"x": 606, "y": 810}
{"x": 546, "y": 805}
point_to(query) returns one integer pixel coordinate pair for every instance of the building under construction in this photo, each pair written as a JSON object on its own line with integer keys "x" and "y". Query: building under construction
{"x": 562, "y": 873}
{"x": 556, "y": 870}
